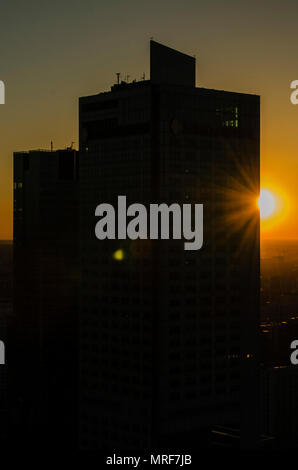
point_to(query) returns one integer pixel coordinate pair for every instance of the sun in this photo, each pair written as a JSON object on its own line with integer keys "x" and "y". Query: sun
{"x": 266, "y": 203}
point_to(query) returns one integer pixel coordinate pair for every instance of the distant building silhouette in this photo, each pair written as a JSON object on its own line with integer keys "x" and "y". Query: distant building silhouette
{"x": 279, "y": 411}
{"x": 46, "y": 279}
{"x": 5, "y": 320}
{"x": 168, "y": 337}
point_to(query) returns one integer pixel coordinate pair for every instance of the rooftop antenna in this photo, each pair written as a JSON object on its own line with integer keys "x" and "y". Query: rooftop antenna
{"x": 118, "y": 77}
{"x": 52, "y": 146}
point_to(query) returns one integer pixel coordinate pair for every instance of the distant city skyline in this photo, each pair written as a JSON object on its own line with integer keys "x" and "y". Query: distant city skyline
{"x": 53, "y": 53}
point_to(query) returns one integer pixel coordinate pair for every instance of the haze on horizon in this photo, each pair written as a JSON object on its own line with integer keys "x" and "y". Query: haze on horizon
{"x": 54, "y": 52}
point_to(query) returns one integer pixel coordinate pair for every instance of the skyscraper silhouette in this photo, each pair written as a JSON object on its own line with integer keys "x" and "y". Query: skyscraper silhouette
{"x": 44, "y": 346}
{"x": 168, "y": 337}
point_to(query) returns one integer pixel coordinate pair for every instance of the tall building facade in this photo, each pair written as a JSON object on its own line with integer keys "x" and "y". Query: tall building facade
{"x": 46, "y": 279}
{"x": 168, "y": 337}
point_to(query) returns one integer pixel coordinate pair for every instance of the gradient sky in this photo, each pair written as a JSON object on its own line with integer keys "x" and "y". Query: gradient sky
{"x": 53, "y": 52}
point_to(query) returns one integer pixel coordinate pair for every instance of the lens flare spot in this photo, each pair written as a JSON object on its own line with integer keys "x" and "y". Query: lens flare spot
{"x": 118, "y": 255}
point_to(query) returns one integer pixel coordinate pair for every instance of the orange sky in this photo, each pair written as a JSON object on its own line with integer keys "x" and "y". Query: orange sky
{"x": 53, "y": 53}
